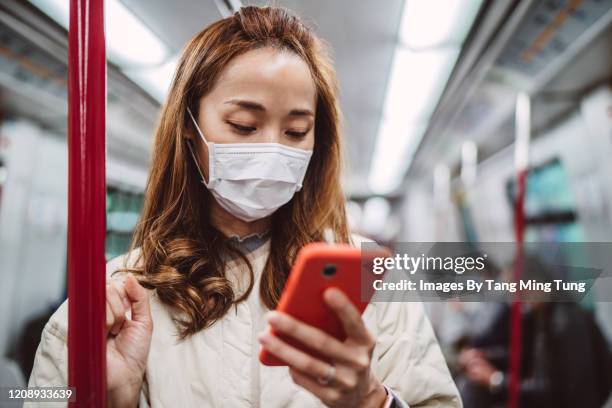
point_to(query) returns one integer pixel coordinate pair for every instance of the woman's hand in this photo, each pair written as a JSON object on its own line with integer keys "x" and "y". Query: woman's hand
{"x": 128, "y": 341}
{"x": 476, "y": 366}
{"x": 349, "y": 381}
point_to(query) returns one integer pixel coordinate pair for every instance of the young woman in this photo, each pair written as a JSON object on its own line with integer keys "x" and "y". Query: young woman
{"x": 245, "y": 172}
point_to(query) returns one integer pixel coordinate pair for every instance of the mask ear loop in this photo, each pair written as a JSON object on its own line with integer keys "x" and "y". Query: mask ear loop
{"x": 197, "y": 127}
{"x": 197, "y": 163}
{"x": 195, "y": 160}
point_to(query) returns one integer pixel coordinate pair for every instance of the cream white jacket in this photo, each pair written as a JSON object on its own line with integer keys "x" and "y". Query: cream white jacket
{"x": 219, "y": 366}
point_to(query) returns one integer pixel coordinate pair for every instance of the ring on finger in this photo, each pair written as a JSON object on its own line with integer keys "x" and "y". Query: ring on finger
{"x": 329, "y": 376}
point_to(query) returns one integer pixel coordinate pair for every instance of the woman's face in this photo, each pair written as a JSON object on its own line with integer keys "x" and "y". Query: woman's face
{"x": 265, "y": 95}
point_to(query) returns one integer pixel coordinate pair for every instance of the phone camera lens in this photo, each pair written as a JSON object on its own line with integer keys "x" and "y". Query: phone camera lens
{"x": 329, "y": 270}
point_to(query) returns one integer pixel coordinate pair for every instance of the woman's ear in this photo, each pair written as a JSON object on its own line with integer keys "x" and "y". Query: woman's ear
{"x": 189, "y": 132}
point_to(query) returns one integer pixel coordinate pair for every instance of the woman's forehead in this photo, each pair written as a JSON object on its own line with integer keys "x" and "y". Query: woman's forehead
{"x": 267, "y": 74}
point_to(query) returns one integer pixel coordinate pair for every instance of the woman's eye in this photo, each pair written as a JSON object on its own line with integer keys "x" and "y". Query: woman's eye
{"x": 242, "y": 128}
{"x": 296, "y": 135}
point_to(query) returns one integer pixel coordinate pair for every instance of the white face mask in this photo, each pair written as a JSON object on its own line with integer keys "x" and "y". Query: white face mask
{"x": 252, "y": 180}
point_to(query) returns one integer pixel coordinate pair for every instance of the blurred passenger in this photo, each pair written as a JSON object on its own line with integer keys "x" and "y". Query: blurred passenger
{"x": 253, "y": 115}
{"x": 455, "y": 322}
{"x": 565, "y": 359}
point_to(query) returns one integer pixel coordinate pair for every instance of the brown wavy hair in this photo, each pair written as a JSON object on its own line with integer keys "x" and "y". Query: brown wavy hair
{"x": 182, "y": 255}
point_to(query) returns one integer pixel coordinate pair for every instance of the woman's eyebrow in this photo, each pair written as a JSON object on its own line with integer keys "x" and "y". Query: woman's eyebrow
{"x": 301, "y": 112}
{"x": 251, "y": 105}
{"x": 247, "y": 104}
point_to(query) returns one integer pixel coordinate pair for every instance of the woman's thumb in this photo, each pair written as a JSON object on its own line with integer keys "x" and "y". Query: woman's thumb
{"x": 139, "y": 297}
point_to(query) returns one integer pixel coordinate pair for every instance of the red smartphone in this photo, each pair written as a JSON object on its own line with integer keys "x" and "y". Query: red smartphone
{"x": 319, "y": 266}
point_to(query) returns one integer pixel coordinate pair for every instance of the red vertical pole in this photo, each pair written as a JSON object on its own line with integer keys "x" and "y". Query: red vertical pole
{"x": 516, "y": 332}
{"x": 86, "y": 203}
